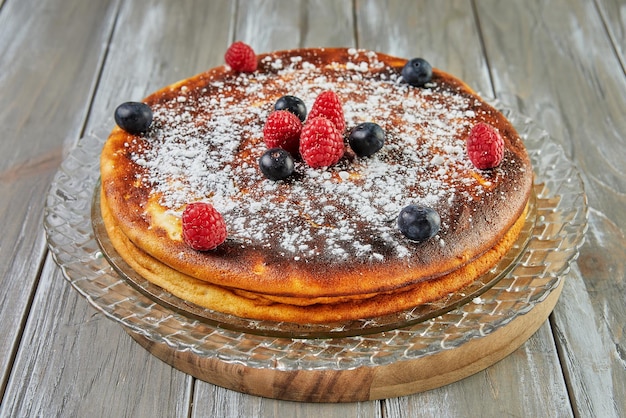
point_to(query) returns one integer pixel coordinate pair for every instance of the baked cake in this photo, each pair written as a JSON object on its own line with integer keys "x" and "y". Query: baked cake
{"x": 323, "y": 244}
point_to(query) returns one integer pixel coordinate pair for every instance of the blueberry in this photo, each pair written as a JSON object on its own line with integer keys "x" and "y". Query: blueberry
{"x": 417, "y": 72}
{"x": 133, "y": 117}
{"x": 366, "y": 139}
{"x": 276, "y": 164}
{"x": 419, "y": 223}
{"x": 292, "y": 104}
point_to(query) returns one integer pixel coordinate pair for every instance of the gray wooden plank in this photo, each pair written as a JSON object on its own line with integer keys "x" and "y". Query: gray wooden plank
{"x": 569, "y": 76}
{"x": 443, "y": 33}
{"x": 213, "y": 401}
{"x": 589, "y": 322}
{"x": 489, "y": 393}
{"x": 614, "y": 14}
{"x": 73, "y": 361}
{"x": 270, "y": 25}
{"x": 156, "y": 44}
{"x": 48, "y": 58}
{"x": 446, "y": 34}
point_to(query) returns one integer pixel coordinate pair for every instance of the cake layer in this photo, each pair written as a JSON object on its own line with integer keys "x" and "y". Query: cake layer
{"x": 323, "y": 233}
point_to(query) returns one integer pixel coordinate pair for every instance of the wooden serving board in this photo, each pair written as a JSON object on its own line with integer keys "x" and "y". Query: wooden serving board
{"x": 363, "y": 383}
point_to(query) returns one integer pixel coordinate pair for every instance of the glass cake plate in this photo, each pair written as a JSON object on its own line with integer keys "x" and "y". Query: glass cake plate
{"x": 553, "y": 235}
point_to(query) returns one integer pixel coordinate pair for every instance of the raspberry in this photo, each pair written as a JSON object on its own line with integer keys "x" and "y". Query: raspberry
{"x": 327, "y": 105}
{"x": 241, "y": 57}
{"x": 321, "y": 144}
{"x": 485, "y": 146}
{"x": 203, "y": 226}
{"x": 282, "y": 130}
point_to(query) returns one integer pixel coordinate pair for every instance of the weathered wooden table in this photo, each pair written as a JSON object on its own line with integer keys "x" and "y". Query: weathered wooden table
{"x": 66, "y": 64}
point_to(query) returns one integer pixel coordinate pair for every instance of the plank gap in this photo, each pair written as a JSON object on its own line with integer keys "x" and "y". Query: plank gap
{"x": 610, "y": 35}
{"x": 561, "y": 356}
{"x": 355, "y": 24}
{"x": 192, "y": 391}
{"x": 481, "y": 37}
{"x": 382, "y": 405}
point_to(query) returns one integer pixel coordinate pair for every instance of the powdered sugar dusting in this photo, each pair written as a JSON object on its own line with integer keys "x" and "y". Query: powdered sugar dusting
{"x": 204, "y": 145}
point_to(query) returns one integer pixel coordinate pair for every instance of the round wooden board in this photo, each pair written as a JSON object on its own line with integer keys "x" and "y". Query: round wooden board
{"x": 364, "y": 383}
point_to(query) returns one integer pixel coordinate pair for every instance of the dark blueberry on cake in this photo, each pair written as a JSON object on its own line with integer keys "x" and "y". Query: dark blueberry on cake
{"x": 417, "y": 72}
{"x": 419, "y": 223}
{"x": 133, "y": 117}
{"x": 366, "y": 139}
{"x": 276, "y": 164}
{"x": 292, "y": 104}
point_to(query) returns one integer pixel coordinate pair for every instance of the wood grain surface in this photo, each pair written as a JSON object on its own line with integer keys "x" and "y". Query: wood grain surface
{"x": 66, "y": 64}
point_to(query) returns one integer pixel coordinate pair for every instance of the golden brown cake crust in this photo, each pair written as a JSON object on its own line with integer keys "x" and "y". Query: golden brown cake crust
{"x": 323, "y": 233}
{"x": 301, "y": 310}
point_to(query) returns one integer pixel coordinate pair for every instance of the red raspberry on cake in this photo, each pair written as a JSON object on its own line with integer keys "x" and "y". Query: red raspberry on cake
{"x": 485, "y": 146}
{"x": 321, "y": 144}
{"x": 282, "y": 130}
{"x": 203, "y": 226}
{"x": 328, "y": 105}
{"x": 241, "y": 57}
